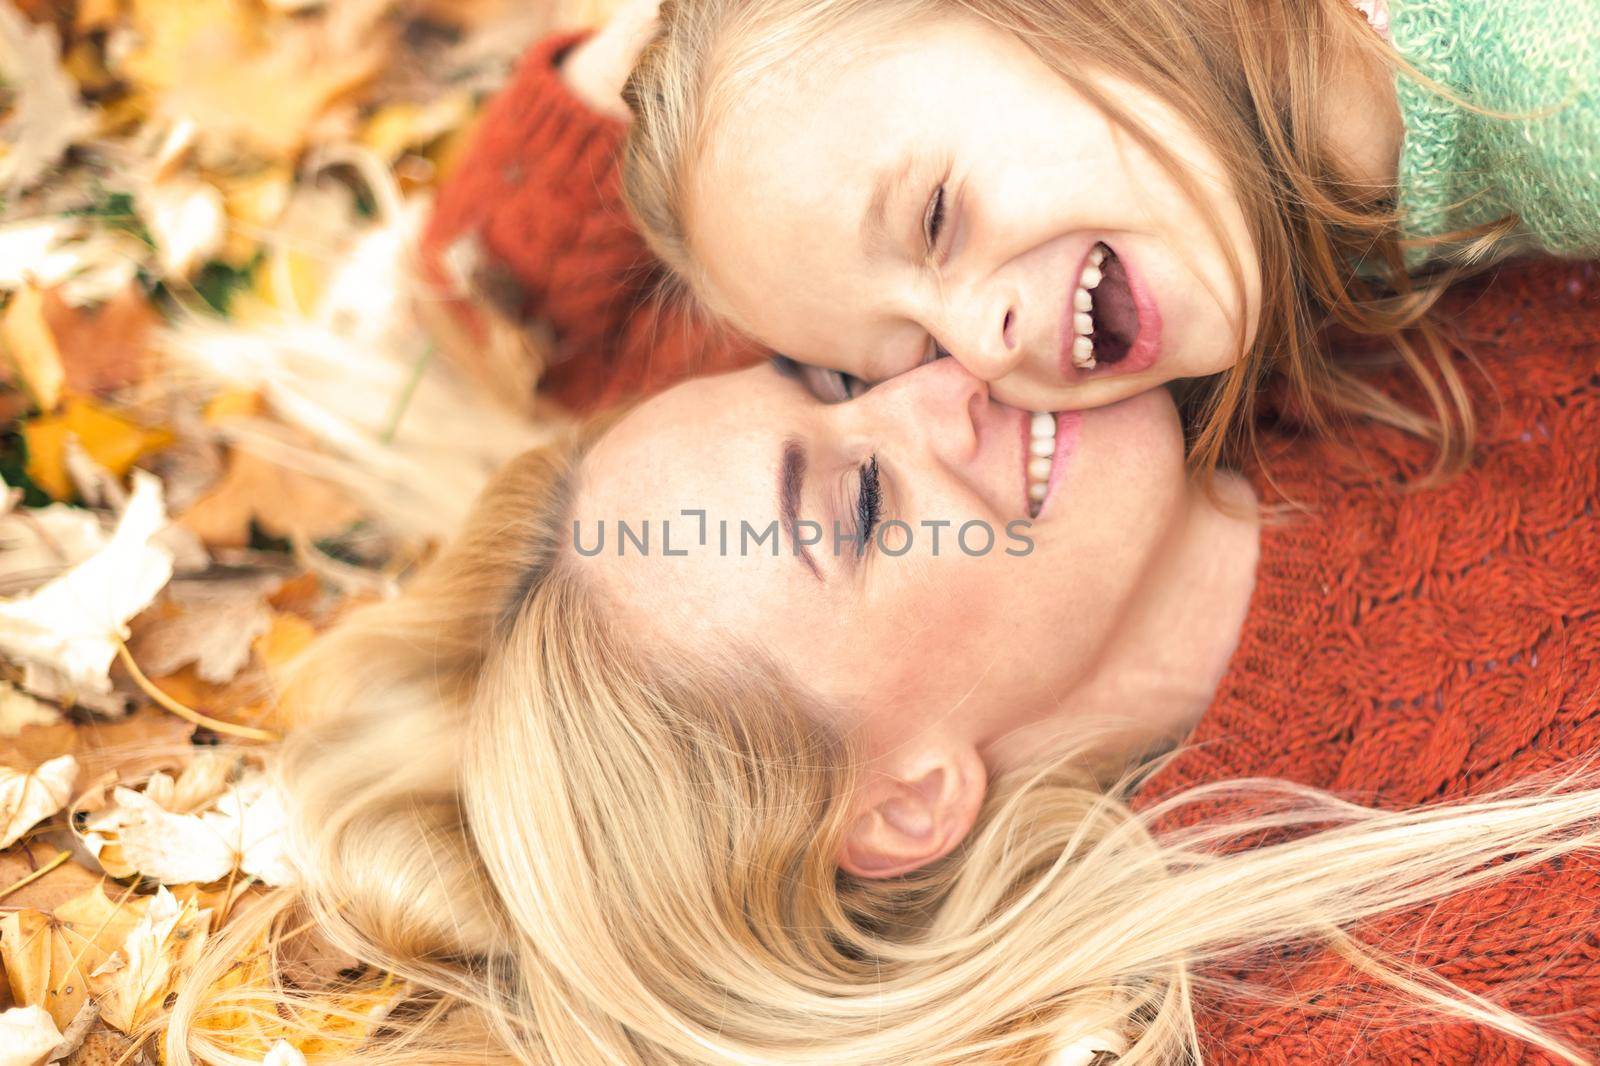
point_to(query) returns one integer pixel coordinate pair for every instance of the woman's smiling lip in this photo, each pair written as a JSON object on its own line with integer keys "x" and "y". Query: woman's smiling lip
{"x": 1146, "y": 346}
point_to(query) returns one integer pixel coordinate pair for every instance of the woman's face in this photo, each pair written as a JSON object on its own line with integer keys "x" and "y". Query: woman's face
{"x": 944, "y": 189}
{"x": 959, "y": 604}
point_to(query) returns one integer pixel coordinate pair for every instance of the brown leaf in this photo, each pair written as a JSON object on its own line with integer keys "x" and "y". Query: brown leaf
{"x": 63, "y": 882}
{"x": 284, "y": 503}
{"x": 145, "y": 741}
{"x": 212, "y": 624}
{"x": 103, "y": 1047}
{"x": 106, "y": 347}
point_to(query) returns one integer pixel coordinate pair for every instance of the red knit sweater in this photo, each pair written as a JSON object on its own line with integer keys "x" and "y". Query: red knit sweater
{"x": 1399, "y": 648}
{"x": 535, "y": 209}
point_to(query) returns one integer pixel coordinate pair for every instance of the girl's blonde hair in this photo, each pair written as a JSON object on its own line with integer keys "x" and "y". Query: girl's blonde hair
{"x": 577, "y": 850}
{"x": 1246, "y": 73}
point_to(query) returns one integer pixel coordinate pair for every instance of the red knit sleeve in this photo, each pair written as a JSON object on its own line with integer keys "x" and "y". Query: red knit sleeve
{"x": 532, "y": 223}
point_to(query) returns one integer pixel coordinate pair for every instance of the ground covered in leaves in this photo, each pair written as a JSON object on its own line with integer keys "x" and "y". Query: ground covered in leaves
{"x": 185, "y": 183}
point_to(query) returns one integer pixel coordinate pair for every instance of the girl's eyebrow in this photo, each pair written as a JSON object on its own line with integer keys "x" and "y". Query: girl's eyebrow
{"x": 875, "y": 235}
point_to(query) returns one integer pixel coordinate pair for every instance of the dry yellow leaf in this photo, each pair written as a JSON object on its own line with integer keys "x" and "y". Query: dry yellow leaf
{"x": 259, "y": 81}
{"x": 394, "y": 128}
{"x": 48, "y": 957}
{"x": 111, "y": 440}
{"x": 95, "y": 14}
{"x": 131, "y": 983}
{"x": 342, "y": 1023}
{"x": 254, "y": 203}
{"x": 235, "y": 403}
{"x": 30, "y": 346}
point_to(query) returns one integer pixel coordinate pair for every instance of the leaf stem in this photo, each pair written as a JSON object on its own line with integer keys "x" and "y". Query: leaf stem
{"x": 149, "y": 688}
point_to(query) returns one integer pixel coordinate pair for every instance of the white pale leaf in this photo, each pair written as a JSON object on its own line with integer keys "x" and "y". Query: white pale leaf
{"x": 18, "y": 711}
{"x": 251, "y": 815}
{"x": 174, "y": 849}
{"x": 26, "y": 799}
{"x": 37, "y": 543}
{"x": 135, "y": 978}
{"x": 243, "y": 830}
{"x": 283, "y": 1053}
{"x": 188, "y": 220}
{"x": 28, "y": 1034}
{"x": 71, "y": 624}
{"x": 47, "y": 116}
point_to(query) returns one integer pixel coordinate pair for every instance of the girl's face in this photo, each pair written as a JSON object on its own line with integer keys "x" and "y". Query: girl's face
{"x": 958, "y": 605}
{"x": 942, "y": 188}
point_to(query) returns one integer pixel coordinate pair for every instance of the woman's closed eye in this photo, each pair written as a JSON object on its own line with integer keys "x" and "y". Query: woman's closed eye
{"x": 869, "y": 503}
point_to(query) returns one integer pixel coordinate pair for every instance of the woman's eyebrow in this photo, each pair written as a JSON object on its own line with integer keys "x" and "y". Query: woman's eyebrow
{"x": 875, "y": 235}
{"x": 791, "y": 480}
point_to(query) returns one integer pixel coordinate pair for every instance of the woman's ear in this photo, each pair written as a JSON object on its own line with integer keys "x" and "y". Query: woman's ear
{"x": 914, "y": 811}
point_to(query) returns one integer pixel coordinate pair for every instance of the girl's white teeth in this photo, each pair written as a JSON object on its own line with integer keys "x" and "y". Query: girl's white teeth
{"x": 1082, "y": 304}
{"x": 1042, "y": 449}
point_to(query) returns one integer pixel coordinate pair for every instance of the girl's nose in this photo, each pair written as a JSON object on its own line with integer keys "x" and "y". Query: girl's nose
{"x": 985, "y": 336}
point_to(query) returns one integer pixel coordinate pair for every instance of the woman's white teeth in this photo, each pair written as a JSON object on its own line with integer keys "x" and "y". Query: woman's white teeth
{"x": 1082, "y": 304}
{"x": 1042, "y": 450}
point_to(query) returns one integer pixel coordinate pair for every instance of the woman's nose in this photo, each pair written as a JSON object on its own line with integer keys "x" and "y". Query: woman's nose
{"x": 936, "y": 405}
{"x": 984, "y": 336}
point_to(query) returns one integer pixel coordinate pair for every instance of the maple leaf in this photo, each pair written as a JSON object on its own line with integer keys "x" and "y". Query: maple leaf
{"x": 106, "y": 346}
{"x": 131, "y": 983}
{"x": 149, "y": 833}
{"x": 29, "y": 797}
{"x": 111, "y": 440}
{"x": 72, "y": 624}
{"x": 48, "y": 957}
{"x": 48, "y": 117}
{"x": 258, "y": 86}
{"x": 283, "y": 502}
{"x": 127, "y": 749}
{"x": 214, "y": 625}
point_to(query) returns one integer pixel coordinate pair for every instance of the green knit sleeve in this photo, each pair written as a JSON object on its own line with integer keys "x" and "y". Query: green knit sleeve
{"x": 1535, "y": 60}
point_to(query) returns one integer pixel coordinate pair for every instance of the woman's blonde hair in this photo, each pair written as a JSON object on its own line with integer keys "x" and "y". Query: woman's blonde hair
{"x": 579, "y": 850}
{"x": 1248, "y": 75}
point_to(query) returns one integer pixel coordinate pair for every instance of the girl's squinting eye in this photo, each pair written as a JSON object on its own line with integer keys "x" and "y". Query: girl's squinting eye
{"x": 831, "y": 386}
{"x": 933, "y": 219}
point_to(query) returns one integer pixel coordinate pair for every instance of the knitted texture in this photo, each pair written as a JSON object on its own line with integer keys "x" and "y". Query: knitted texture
{"x": 536, "y": 206}
{"x": 1403, "y": 647}
{"x": 1537, "y": 61}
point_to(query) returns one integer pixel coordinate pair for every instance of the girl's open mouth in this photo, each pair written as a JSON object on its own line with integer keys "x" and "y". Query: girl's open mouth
{"x": 1104, "y": 321}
